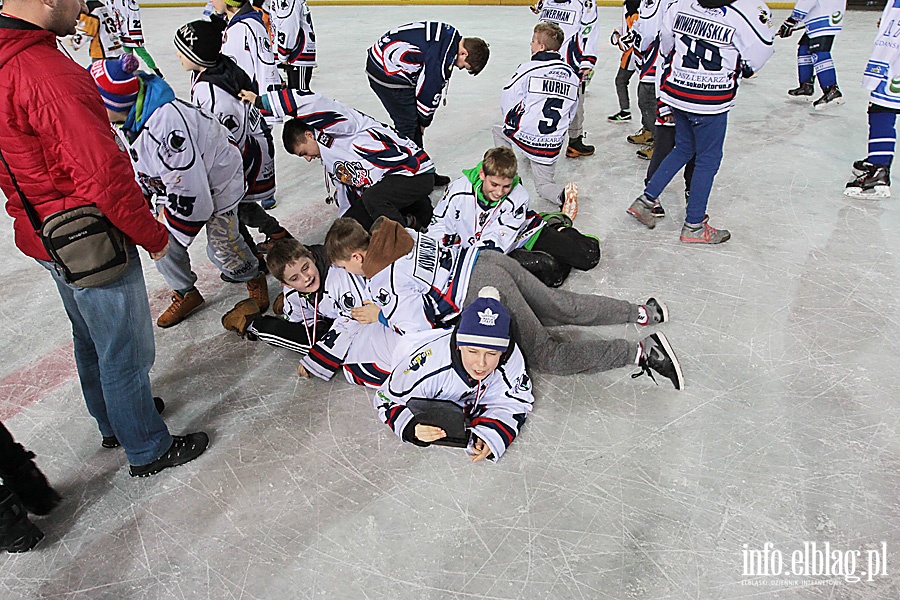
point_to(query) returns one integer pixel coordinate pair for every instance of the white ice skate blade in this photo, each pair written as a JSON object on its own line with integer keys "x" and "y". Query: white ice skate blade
{"x": 877, "y": 192}
{"x": 835, "y": 102}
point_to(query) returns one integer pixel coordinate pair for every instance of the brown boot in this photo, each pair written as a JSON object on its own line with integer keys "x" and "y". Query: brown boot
{"x": 180, "y": 308}
{"x": 259, "y": 291}
{"x": 278, "y": 305}
{"x": 238, "y": 319}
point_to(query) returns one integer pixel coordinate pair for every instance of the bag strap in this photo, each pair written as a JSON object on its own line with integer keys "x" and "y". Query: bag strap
{"x": 29, "y": 209}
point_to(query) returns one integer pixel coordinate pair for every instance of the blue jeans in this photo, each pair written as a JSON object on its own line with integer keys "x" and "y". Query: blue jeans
{"x": 114, "y": 350}
{"x": 700, "y": 135}
{"x": 400, "y": 104}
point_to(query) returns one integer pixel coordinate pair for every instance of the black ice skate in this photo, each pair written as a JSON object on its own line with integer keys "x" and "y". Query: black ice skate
{"x": 577, "y": 148}
{"x": 804, "y": 89}
{"x": 832, "y": 97}
{"x": 874, "y": 183}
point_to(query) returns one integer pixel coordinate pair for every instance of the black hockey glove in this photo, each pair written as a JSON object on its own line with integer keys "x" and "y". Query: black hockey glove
{"x": 787, "y": 28}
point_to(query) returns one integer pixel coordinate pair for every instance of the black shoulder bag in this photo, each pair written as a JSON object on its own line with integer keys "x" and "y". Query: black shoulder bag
{"x": 81, "y": 241}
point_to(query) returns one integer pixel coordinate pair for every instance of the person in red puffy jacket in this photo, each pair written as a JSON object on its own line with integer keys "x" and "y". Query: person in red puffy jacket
{"x": 56, "y": 141}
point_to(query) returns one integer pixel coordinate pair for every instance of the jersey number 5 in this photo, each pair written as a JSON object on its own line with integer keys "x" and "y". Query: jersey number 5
{"x": 552, "y": 114}
{"x": 700, "y": 52}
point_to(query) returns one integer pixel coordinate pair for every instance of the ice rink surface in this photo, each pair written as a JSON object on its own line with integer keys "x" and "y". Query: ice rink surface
{"x": 786, "y": 433}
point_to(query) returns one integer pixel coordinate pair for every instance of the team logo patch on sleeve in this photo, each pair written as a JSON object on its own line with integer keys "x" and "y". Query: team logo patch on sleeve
{"x": 417, "y": 361}
{"x": 325, "y": 139}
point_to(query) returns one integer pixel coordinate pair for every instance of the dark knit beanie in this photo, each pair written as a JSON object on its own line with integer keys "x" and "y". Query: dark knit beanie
{"x": 201, "y": 41}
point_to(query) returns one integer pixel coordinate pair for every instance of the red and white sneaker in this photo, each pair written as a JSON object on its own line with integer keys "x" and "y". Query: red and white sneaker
{"x": 569, "y": 201}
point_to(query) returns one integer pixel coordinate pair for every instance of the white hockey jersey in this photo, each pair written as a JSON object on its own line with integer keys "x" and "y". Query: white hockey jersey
{"x": 295, "y": 39}
{"x": 538, "y": 104}
{"x": 428, "y": 366}
{"x": 185, "y": 157}
{"x": 578, "y": 20}
{"x": 127, "y": 14}
{"x": 424, "y": 288}
{"x": 713, "y": 48}
{"x": 647, "y": 37}
{"x": 820, "y": 17}
{"x": 101, "y": 28}
{"x": 882, "y": 74}
{"x": 462, "y": 221}
{"x": 247, "y": 42}
{"x": 356, "y": 149}
{"x": 362, "y": 351}
{"x": 247, "y": 129}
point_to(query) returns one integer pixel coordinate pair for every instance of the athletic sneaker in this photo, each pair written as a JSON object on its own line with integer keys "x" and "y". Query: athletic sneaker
{"x": 568, "y": 201}
{"x": 642, "y": 210}
{"x": 619, "y": 117}
{"x": 873, "y": 183}
{"x": 653, "y": 312}
{"x": 804, "y": 89}
{"x": 658, "y": 211}
{"x": 657, "y": 355}
{"x": 704, "y": 233}
{"x": 184, "y": 449}
{"x": 269, "y": 203}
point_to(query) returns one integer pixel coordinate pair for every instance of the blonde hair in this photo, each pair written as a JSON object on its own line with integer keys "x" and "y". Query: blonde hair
{"x": 550, "y": 35}
{"x": 500, "y": 162}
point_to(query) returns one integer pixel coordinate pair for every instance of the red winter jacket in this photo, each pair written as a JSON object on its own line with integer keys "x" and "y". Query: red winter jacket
{"x": 56, "y": 137}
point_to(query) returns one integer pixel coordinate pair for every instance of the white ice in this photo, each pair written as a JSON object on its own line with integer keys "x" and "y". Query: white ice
{"x": 617, "y": 489}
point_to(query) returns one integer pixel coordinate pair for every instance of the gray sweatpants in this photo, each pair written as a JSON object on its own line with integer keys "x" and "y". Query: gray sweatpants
{"x": 623, "y": 77}
{"x": 647, "y": 104}
{"x": 544, "y": 175}
{"x": 576, "y": 127}
{"x": 225, "y": 248}
{"x": 534, "y": 307}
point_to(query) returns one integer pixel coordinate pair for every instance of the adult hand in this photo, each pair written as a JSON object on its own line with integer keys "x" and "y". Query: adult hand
{"x": 429, "y": 433}
{"x": 247, "y": 96}
{"x": 161, "y": 253}
{"x": 367, "y": 313}
{"x": 482, "y": 450}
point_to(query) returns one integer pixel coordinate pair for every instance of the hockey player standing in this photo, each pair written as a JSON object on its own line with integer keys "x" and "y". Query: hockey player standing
{"x": 476, "y": 366}
{"x": 216, "y": 81}
{"x": 128, "y": 17}
{"x": 823, "y": 20}
{"x": 624, "y": 41}
{"x": 295, "y": 41}
{"x": 379, "y": 172}
{"x": 713, "y": 44}
{"x": 579, "y": 22}
{"x": 537, "y": 106}
{"x": 184, "y": 157}
{"x": 247, "y": 42}
{"x": 882, "y": 79}
{"x": 99, "y": 26}
{"x": 409, "y": 68}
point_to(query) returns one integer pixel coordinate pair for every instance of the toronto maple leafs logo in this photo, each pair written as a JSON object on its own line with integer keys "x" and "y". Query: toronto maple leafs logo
{"x": 487, "y": 317}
